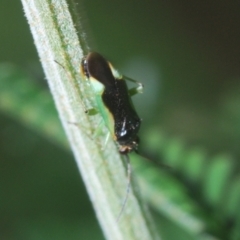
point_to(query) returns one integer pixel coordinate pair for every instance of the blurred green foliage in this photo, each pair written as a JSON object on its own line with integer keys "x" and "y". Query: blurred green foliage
{"x": 187, "y": 55}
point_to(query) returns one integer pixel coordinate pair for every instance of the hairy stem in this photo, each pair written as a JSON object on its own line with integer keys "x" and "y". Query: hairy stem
{"x": 101, "y": 166}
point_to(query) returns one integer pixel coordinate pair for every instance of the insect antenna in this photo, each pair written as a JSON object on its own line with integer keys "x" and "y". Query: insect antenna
{"x": 129, "y": 173}
{"x": 158, "y": 164}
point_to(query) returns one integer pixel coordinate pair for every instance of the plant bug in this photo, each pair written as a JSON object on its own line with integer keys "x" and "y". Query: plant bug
{"x": 113, "y": 100}
{"x": 115, "y": 105}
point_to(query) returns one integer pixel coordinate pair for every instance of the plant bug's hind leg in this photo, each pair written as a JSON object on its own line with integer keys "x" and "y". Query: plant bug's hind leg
{"x": 98, "y": 132}
{"x": 132, "y": 91}
{"x": 98, "y": 129}
{"x": 106, "y": 140}
{"x": 91, "y": 111}
{"x": 135, "y": 90}
{"x": 129, "y": 173}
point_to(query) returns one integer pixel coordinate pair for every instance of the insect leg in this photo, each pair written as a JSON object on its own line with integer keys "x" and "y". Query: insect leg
{"x": 135, "y": 90}
{"x": 106, "y": 140}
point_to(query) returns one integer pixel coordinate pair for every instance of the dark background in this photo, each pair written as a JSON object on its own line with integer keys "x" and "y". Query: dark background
{"x": 187, "y": 54}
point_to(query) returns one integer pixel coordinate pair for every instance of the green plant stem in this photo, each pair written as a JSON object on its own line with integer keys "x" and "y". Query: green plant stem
{"x": 101, "y": 166}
